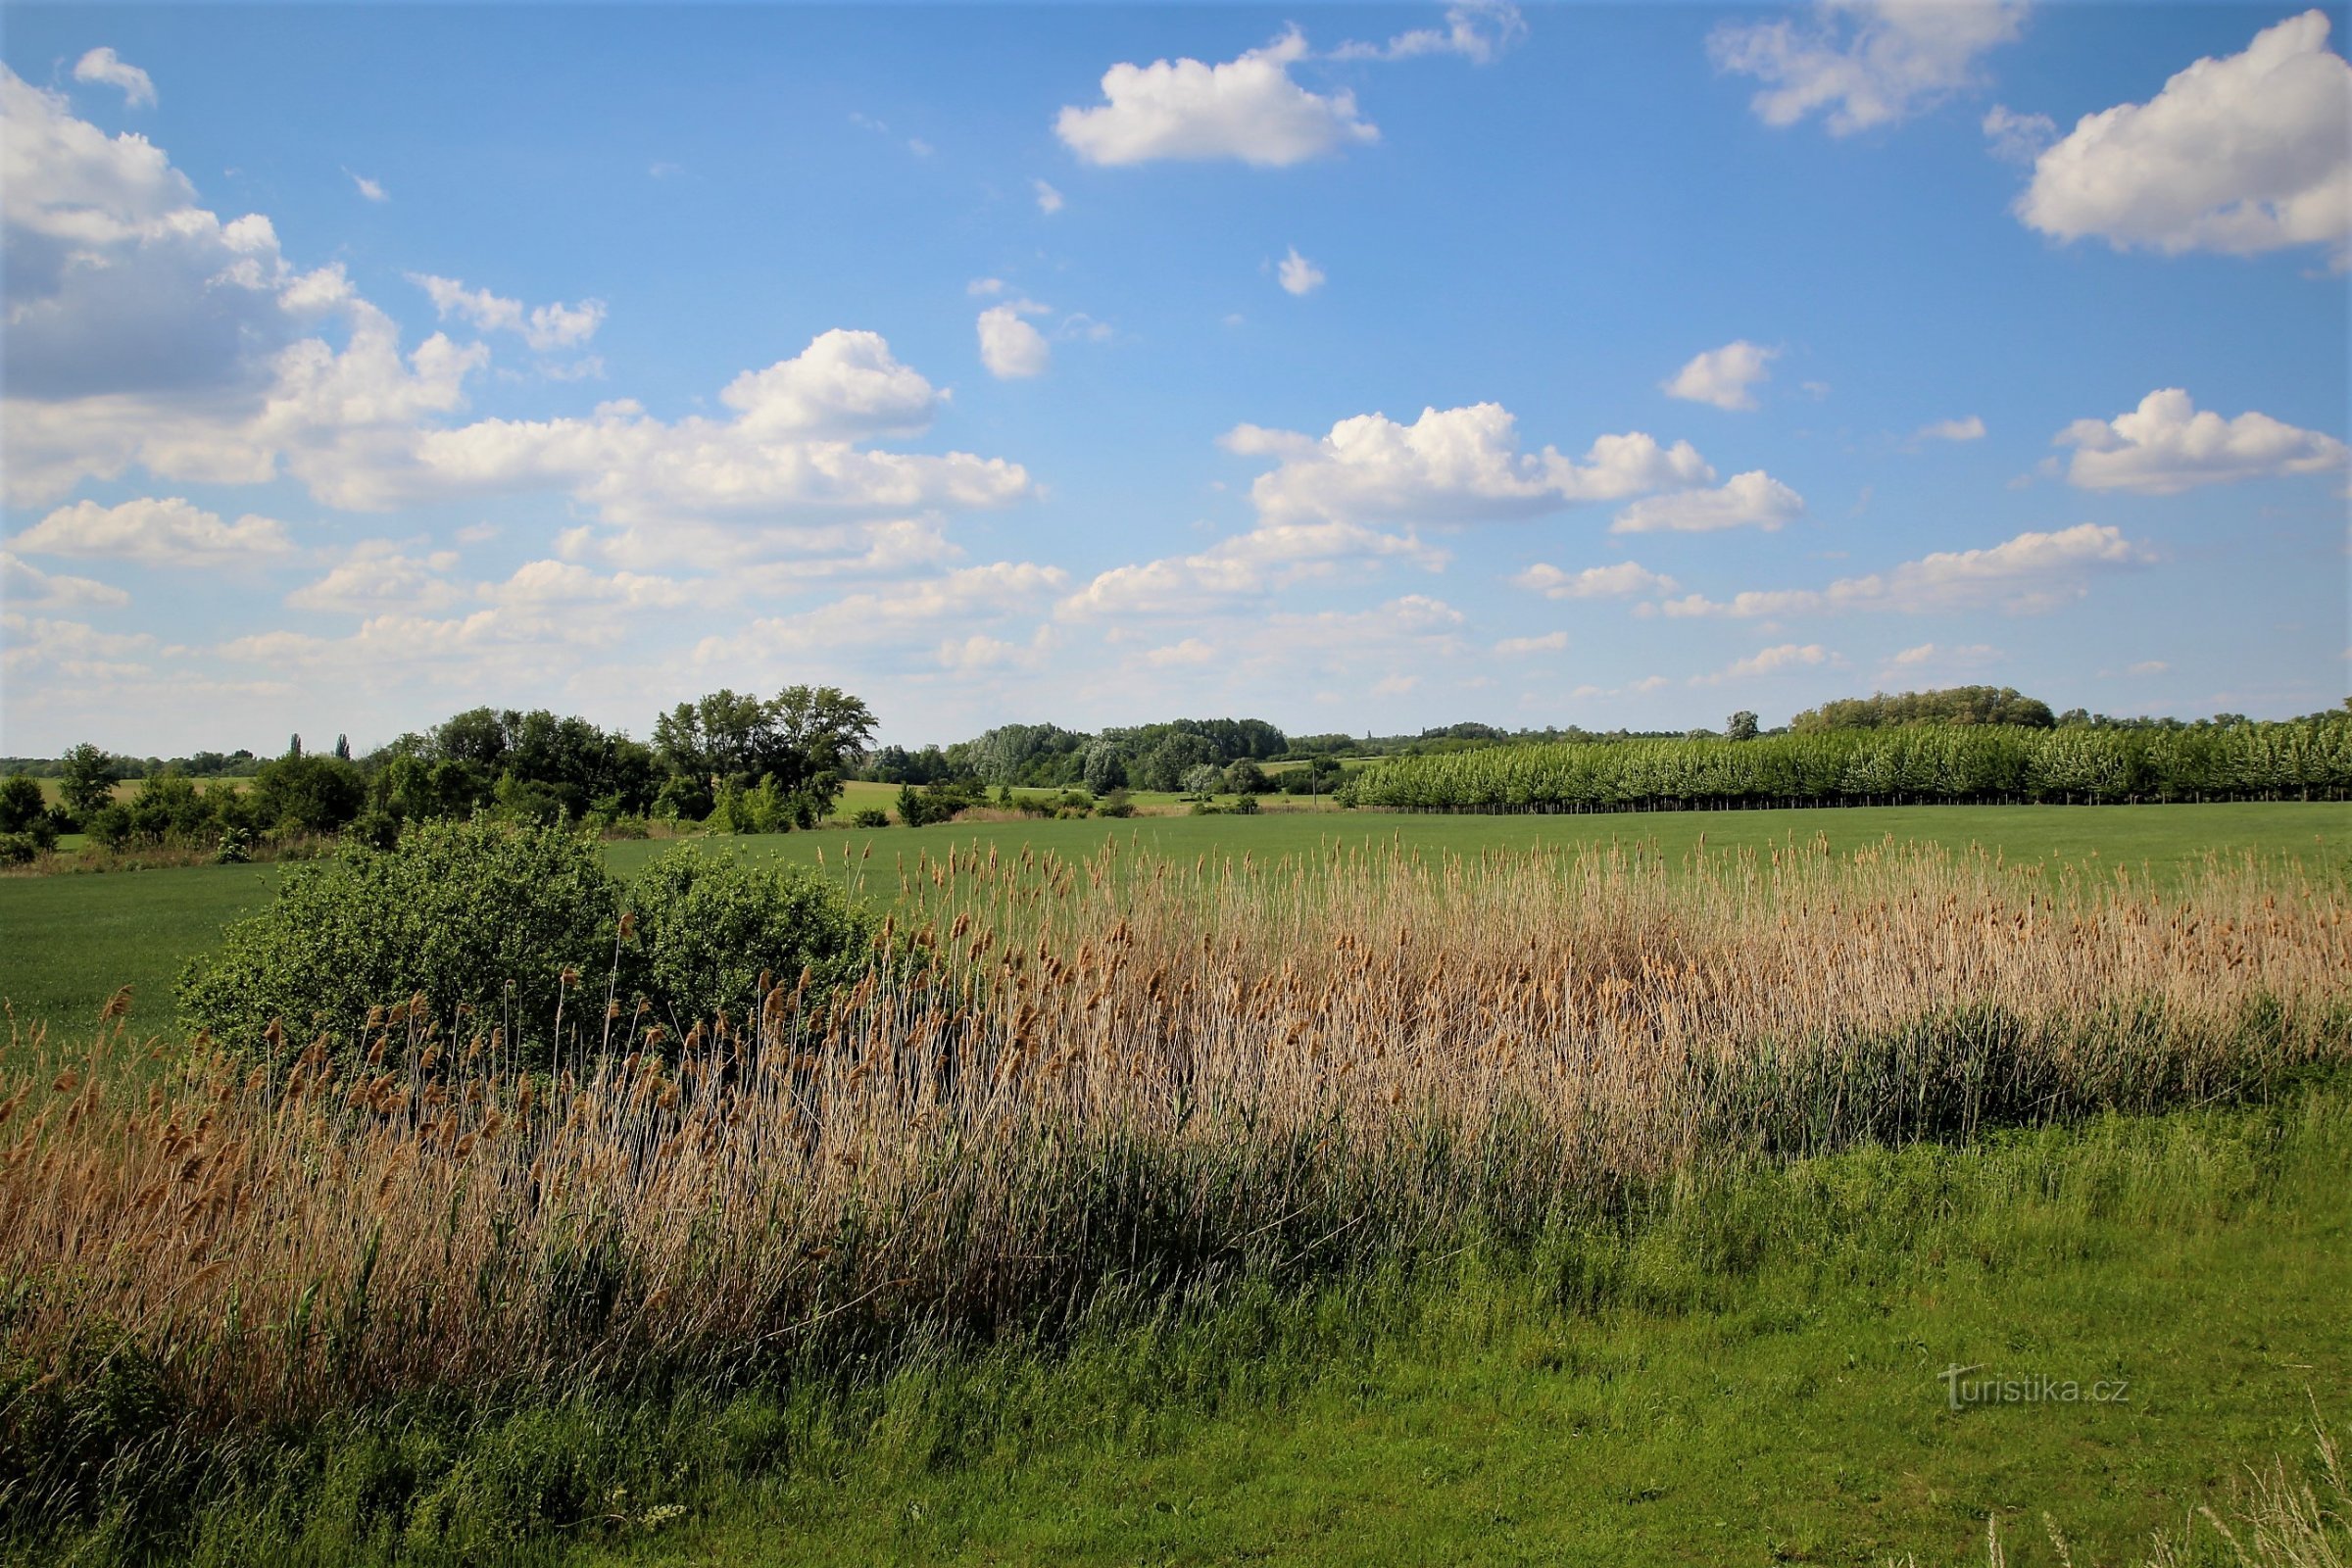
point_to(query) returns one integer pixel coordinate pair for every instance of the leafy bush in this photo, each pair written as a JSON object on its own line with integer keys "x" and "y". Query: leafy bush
{"x": 870, "y": 816}
{"x": 20, "y": 802}
{"x": 477, "y": 912}
{"x": 709, "y": 924}
{"x": 17, "y": 849}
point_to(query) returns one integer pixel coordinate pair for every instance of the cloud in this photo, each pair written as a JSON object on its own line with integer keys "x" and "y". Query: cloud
{"x": 24, "y": 584}
{"x": 1048, "y": 200}
{"x": 2241, "y": 155}
{"x": 1244, "y": 569}
{"x": 1479, "y": 30}
{"x": 1449, "y": 465}
{"x": 1551, "y": 642}
{"x": 1628, "y": 579}
{"x": 155, "y": 532}
{"x": 1971, "y": 428}
{"x": 71, "y": 647}
{"x": 792, "y": 452}
{"x": 379, "y": 576}
{"x": 118, "y": 285}
{"x": 2165, "y": 445}
{"x": 1754, "y": 499}
{"x": 1009, "y": 346}
{"x": 1933, "y": 654}
{"x": 2148, "y": 666}
{"x": 105, "y": 67}
{"x": 2018, "y": 138}
{"x": 1298, "y": 274}
{"x": 1246, "y": 108}
{"x": 568, "y": 583}
{"x": 544, "y": 327}
{"x": 908, "y": 617}
{"x": 1771, "y": 661}
{"x": 1864, "y": 63}
{"x": 1721, "y": 376}
{"x": 1190, "y": 651}
{"x": 2029, "y": 573}
{"x": 372, "y": 190}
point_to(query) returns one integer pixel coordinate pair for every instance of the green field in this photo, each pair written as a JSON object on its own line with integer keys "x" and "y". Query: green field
{"x": 68, "y": 942}
{"x": 1767, "y": 1391}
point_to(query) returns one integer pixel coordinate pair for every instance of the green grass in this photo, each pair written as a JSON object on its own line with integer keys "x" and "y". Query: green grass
{"x": 1741, "y": 1370}
{"x": 68, "y": 942}
{"x": 1763, "y": 1386}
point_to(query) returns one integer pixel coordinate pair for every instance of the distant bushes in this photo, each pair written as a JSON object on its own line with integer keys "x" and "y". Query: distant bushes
{"x": 516, "y": 928}
{"x": 2295, "y": 760}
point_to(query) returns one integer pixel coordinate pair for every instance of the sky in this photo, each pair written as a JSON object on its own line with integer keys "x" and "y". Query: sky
{"x": 1357, "y": 368}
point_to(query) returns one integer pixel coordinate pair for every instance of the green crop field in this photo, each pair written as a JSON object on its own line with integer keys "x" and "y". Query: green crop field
{"x": 69, "y": 942}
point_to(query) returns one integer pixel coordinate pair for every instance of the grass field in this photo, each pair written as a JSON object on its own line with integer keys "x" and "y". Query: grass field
{"x": 1289, "y": 1206}
{"x": 1783, "y": 1407}
{"x": 66, "y": 943}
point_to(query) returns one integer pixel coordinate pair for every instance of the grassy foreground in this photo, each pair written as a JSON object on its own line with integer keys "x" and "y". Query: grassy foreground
{"x": 1749, "y": 1373}
{"x": 73, "y": 941}
{"x": 1742, "y": 1369}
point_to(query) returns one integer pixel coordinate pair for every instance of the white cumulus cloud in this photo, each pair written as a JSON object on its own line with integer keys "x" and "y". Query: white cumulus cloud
{"x": 2167, "y": 445}
{"x": 109, "y": 69}
{"x": 1751, "y": 500}
{"x": 1864, "y": 63}
{"x": 1009, "y": 346}
{"x": 1722, "y": 376}
{"x": 1248, "y": 109}
{"x": 24, "y": 584}
{"x": 164, "y": 531}
{"x": 1628, "y": 579}
{"x": 1479, "y": 30}
{"x": 2245, "y": 154}
{"x": 2029, "y": 573}
{"x": 544, "y": 327}
{"x": 1298, "y": 274}
{"x": 1449, "y": 465}
{"x": 1774, "y": 660}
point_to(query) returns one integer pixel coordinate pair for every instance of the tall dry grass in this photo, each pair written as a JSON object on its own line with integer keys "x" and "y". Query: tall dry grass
{"x": 1124, "y": 1069}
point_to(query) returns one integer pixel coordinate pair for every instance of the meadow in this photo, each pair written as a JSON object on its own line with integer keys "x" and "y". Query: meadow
{"x": 74, "y": 941}
{"x": 1250, "y": 1114}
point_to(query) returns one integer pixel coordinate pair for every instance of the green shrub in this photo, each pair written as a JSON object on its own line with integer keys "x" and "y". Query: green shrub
{"x": 20, "y": 802}
{"x": 870, "y": 817}
{"x": 709, "y": 924}
{"x": 17, "y": 849}
{"x": 480, "y": 913}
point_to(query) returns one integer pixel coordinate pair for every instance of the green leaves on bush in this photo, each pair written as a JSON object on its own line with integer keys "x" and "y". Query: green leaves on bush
{"x": 477, "y": 912}
{"x": 489, "y": 914}
{"x": 709, "y": 924}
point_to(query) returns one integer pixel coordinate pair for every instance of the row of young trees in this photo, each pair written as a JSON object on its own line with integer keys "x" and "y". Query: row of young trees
{"x": 2308, "y": 758}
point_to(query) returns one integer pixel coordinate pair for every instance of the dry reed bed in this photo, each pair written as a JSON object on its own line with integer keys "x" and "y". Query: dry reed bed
{"x": 1123, "y": 1066}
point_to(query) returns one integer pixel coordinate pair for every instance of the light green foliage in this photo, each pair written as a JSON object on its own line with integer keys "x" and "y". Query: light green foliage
{"x": 710, "y": 924}
{"x": 477, "y": 913}
{"x": 2294, "y": 760}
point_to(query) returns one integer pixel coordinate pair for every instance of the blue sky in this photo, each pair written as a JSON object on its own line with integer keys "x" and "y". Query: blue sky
{"x": 1354, "y": 367}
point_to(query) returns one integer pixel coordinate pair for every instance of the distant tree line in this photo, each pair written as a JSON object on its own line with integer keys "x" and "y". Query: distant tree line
{"x": 744, "y": 763}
